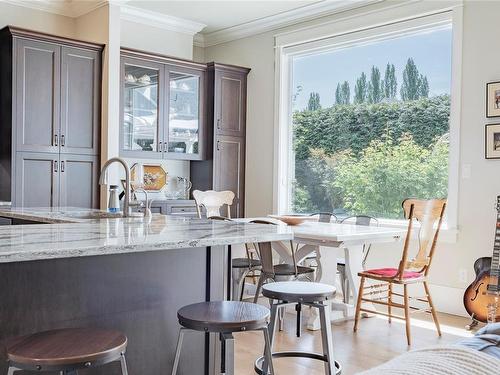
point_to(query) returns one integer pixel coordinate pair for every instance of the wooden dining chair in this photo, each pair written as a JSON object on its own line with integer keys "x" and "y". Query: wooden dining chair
{"x": 429, "y": 215}
{"x": 213, "y": 201}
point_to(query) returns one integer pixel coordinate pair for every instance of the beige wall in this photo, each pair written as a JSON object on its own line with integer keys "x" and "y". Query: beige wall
{"x": 153, "y": 39}
{"x": 36, "y": 20}
{"x": 477, "y": 194}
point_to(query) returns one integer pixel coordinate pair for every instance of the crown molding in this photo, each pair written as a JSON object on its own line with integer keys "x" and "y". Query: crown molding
{"x": 73, "y": 9}
{"x": 199, "y": 40}
{"x": 284, "y": 19}
{"x": 160, "y": 20}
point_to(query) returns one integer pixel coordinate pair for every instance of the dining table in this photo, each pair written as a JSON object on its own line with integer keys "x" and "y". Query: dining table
{"x": 316, "y": 237}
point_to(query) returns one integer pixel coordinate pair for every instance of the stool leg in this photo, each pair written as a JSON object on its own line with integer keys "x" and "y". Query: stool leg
{"x": 268, "y": 354}
{"x": 178, "y": 350}
{"x": 281, "y": 314}
{"x": 227, "y": 363}
{"x": 123, "y": 364}
{"x": 238, "y": 276}
{"x": 272, "y": 322}
{"x": 298, "y": 309}
{"x": 326, "y": 338}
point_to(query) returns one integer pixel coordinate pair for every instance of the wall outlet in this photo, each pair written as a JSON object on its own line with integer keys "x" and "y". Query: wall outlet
{"x": 462, "y": 275}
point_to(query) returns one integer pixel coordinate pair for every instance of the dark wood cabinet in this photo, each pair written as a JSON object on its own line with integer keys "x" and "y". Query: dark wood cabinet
{"x": 36, "y": 180}
{"x": 230, "y": 102}
{"x": 80, "y": 101}
{"x": 226, "y": 113}
{"x": 37, "y": 95}
{"x": 50, "y": 90}
{"x": 229, "y": 169}
{"x": 163, "y": 111}
{"x": 78, "y": 176}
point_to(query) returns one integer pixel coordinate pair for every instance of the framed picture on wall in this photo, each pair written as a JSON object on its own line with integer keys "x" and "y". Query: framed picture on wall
{"x": 492, "y": 141}
{"x": 493, "y": 99}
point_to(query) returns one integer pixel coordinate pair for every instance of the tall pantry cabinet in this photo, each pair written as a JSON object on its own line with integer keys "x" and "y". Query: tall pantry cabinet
{"x": 226, "y": 114}
{"x": 50, "y": 120}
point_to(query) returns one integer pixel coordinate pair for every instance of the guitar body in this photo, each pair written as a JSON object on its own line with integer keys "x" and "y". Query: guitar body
{"x": 477, "y": 301}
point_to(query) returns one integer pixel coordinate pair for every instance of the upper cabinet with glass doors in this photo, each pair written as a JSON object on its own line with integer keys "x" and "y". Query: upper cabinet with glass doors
{"x": 162, "y": 107}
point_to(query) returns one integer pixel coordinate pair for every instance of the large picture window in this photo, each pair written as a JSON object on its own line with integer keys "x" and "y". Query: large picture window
{"x": 369, "y": 124}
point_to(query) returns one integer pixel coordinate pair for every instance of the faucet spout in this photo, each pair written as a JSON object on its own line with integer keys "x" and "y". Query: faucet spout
{"x": 102, "y": 181}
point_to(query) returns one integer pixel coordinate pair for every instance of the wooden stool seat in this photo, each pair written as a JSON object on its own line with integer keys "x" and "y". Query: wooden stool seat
{"x": 245, "y": 263}
{"x": 66, "y": 349}
{"x": 298, "y": 291}
{"x": 224, "y": 316}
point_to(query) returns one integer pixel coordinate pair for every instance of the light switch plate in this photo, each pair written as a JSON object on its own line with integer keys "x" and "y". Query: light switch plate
{"x": 466, "y": 171}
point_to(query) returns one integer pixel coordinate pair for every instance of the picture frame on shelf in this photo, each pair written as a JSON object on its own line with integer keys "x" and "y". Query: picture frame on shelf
{"x": 492, "y": 141}
{"x": 493, "y": 99}
{"x": 154, "y": 176}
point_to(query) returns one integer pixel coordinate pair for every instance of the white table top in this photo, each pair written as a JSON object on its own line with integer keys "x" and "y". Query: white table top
{"x": 334, "y": 232}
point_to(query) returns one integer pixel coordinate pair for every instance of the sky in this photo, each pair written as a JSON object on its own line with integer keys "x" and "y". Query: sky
{"x": 431, "y": 52}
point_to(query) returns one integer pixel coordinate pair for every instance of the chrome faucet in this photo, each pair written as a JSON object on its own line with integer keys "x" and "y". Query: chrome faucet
{"x": 149, "y": 202}
{"x": 102, "y": 181}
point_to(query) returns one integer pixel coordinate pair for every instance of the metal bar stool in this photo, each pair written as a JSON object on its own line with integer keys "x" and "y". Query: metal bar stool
{"x": 309, "y": 294}
{"x": 224, "y": 317}
{"x": 241, "y": 267}
{"x": 67, "y": 350}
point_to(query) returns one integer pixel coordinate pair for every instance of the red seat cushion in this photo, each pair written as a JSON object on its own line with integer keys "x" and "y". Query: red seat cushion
{"x": 391, "y": 272}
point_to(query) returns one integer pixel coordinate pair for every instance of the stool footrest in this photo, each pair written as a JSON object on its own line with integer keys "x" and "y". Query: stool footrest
{"x": 296, "y": 354}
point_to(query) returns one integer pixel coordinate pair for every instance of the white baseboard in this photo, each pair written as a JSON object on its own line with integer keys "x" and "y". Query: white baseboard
{"x": 448, "y": 300}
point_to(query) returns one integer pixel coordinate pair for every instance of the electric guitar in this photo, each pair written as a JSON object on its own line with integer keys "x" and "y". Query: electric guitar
{"x": 482, "y": 297}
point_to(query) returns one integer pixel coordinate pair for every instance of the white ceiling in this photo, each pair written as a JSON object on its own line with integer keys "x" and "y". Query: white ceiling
{"x": 219, "y": 15}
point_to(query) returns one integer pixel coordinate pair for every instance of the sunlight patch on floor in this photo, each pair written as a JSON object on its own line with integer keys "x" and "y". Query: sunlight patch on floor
{"x": 415, "y": 322}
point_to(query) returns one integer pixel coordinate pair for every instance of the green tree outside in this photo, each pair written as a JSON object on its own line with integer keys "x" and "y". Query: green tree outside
{"x": 361, "y": 89}
{"x": 314, "y": 102}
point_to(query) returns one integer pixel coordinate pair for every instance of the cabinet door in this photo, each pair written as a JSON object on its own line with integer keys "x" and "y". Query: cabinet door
{"x": 229, "y": 170}
{"x": 80, "y": 101}
{"x": 230, "y": 99}
{"x": 142, "y": 96}
{"x": 79, "y": 181}
{"x": 37, "y": 80}
{"x": 185, "y": 134}
{"x": 37, "y": 180}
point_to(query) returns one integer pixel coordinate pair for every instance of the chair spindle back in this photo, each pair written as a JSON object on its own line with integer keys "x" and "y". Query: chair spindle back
{"x": 429, "y": 214}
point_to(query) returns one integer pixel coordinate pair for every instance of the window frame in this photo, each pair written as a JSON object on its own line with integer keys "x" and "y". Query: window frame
{"x": 285, "y": 51}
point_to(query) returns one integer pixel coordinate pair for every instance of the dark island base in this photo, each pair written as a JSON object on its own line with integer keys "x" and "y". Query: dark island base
{"x": 136, "y": 293}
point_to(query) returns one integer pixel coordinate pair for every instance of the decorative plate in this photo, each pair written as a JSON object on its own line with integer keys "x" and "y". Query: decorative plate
{"x": 155, "y": 177}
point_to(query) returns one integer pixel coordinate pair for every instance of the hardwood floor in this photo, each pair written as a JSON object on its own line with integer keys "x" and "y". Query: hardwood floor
{"x": 376, "y": 342}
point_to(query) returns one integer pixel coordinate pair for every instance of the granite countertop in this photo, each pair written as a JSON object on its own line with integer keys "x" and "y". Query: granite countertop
{"x": 73, "y": 234}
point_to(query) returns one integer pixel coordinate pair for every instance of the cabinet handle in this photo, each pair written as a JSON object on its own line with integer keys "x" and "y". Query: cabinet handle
{"x": 56, "y": 140}
{"x": 218, "y": 147}
{"x": 63, "y": 141}
{"x": 62, "y": 166}
{"x": 218, "y": 123}
{"x": 160, "y": 149}
{"x": 55, "y": 165}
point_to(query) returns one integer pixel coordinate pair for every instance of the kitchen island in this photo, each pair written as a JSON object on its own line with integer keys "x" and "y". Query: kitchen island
{"x": 82, "y": 269}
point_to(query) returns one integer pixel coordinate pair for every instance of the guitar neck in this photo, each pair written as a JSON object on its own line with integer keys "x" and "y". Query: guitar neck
{"x": 495, "y": 260}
